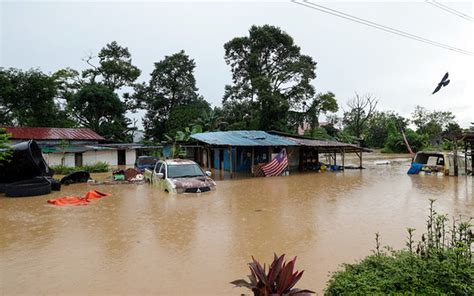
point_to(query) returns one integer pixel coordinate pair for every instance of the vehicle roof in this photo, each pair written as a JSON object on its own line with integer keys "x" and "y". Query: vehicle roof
{"x": 178, "y": 161}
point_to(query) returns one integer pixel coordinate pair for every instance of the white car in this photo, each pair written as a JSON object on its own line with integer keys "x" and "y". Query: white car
{"x": 180, "y": 176}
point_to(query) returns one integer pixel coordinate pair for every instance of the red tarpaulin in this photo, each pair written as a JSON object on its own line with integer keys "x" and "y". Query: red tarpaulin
{"x": 76, "y": 200}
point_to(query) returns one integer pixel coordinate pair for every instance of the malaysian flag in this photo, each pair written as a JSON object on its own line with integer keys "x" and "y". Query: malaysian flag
{"x": 277, "y": 165}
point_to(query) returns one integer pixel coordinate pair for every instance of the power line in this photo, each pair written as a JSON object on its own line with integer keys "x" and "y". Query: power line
{"x": 450, "y": 10}
{"x": 379, "y": 27}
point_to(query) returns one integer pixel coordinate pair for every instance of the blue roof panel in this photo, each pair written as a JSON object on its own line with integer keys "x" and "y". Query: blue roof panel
{"x": 243, "y": 138}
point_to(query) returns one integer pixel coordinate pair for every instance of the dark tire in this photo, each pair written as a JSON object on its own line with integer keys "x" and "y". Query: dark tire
{"x": 2, "y": 187}
{"x": 55, "y": 184}
{"x": 76, "y": 177}
{"x": 31, "y": 187}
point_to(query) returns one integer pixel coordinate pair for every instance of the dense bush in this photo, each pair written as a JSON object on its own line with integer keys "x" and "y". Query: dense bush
{"x": 440, "y": 264}
{"x": 99, "y": 167}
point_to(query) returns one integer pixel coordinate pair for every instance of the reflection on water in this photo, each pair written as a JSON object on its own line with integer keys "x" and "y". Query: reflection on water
{"x": 142, "y": 241}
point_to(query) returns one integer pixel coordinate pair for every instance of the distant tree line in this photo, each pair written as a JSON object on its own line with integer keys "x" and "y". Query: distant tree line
{"x": 271, "y": 89}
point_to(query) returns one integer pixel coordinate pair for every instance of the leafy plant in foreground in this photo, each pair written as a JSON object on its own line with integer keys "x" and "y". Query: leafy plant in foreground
{"x": 279, "y": 280}
{"x": 441, "y": 263}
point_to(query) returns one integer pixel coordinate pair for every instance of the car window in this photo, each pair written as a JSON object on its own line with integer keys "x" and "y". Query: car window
{"x": 158, "y": 166}
{"x": 163, "y": 170}
{"x": 184, "y": 170}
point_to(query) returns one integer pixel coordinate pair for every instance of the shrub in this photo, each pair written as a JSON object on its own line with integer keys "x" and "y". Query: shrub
{"x": 441, "y": 263}
{"x": 99, "y": 167}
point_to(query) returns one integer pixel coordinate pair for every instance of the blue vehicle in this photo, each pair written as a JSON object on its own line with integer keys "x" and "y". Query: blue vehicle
{"x": 146, "y": 162}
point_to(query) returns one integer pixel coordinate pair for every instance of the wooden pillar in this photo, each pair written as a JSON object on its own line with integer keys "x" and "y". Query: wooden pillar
{"x": 335, "y": 156}
{"x": 456, "y": 168}
{"x": 208, "y": 150}
{"x": 253, "y": 153}
{"x": 465, "y": 158}
{"x": 360, "y": 157}
{"x": 342, "y": 154}
{"x": 230, "y": 161}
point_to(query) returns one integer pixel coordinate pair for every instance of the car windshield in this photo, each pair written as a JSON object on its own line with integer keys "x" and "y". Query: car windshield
{"x": 147, "y": 160}
{"x": 184, "y": 171}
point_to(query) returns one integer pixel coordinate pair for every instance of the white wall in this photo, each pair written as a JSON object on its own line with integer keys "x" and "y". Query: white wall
{"x": 91, "y": 157}
{"x": 130, "y": 157}
{"x": 55, "y": 159}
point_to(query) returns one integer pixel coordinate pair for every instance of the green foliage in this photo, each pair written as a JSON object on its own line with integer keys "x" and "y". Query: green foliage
{"x": 5, "y": 151}
{"x": 269, "y": 76}
{"x": 28, "y": 98}
{"x": 433, "y": 123}
{"x": 99, "y": 167}
{"x": 182, "y": 137}
{"x": 395, "y": 143}
{"x": 97, "y": 107}
{"x": 172, "y": 85}
{"x": 279, "y": 280}
{"x": 441, "y": 264}
{"x": 183, "y": 115}
{"x": 380, "y": 124}
{"x": 321, "y": 103}
{"x": 212, "y": 120}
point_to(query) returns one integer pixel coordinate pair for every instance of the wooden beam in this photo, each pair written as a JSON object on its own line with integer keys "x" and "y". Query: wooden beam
{"x": 343, "y": 163}
{"x": 251, "y": 166}
{"x": 230, "y": 161}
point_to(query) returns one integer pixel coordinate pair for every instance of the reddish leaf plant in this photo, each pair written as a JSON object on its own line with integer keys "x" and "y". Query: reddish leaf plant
{"x": 279, "y": 281}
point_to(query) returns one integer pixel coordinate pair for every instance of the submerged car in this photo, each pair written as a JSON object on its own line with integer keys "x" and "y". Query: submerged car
{"x": 146, "y": 162}
{"x": 180, "y": 176}
{"x": 439, "y": 163}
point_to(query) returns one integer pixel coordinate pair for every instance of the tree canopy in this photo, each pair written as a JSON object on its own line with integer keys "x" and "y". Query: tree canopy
{"x": 269, "y": 73}
{"x": 172, "y": 85}
{"x": 29, "y": 98}
{"x": 97, "y": 107}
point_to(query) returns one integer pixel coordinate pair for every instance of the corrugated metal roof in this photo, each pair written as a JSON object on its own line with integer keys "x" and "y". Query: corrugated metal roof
{"x": 242, "y": 138}
{"x": 326, "y": 144}
{"x": 48, "y": 133}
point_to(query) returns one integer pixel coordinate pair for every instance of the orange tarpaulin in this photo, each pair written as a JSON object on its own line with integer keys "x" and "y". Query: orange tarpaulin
{"x": 76, "y": 200}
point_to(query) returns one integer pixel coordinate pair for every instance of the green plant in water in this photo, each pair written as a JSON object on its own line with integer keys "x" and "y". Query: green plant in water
{"x": 279, "y": 281}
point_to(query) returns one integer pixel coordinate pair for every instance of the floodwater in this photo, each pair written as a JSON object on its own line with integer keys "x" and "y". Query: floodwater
{"x": 141, "y": 241}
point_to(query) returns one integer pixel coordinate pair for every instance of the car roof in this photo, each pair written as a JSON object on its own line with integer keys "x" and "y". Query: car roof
{"x": 178, "y": 161}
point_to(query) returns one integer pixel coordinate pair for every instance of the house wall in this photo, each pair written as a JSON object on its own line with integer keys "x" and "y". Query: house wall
{"x": 130, "y": 157}
{"x": 91, "y": 157}
{"x": 55, "y": 159}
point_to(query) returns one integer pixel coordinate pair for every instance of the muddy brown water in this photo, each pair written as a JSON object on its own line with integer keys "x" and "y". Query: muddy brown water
{"x": 142, "y": 241}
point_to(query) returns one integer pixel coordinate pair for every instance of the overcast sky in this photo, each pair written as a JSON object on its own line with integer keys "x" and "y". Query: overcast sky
{"x": 351, "y": 57}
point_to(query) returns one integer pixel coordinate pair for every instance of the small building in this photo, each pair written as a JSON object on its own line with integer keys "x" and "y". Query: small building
{"x": 240, "y": 151}
{"x": 75, "y": 146}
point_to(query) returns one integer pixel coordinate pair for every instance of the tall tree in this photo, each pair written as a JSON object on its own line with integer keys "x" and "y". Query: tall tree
{"x": 172, "y": 84}
{"x": 270, "y": 73}
{"x": 97, "y": 107}
{"x": 360, "y": 111}
{"x": 115, "y": 67}
{"x": 29, "y": 98}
